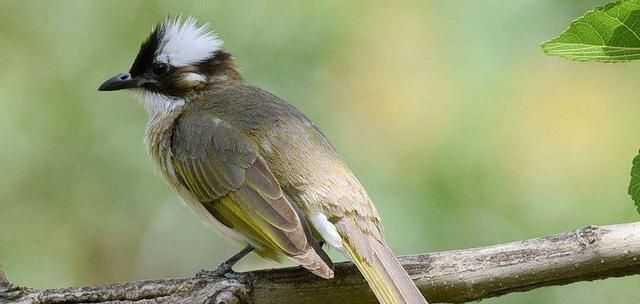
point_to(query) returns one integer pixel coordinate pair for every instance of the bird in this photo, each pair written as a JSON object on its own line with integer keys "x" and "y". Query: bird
{"x": 250, "y": 164}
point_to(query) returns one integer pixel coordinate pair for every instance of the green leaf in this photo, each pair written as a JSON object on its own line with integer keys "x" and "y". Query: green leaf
{"x": 607, "y": 34}
{"x": 634, "y": 185}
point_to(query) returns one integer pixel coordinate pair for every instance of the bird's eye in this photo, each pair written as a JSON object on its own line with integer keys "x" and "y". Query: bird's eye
{"x": 160, "y": 68}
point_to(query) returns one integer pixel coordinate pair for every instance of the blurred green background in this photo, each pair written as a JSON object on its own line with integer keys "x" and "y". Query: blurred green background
{"x": 462, "y": 131}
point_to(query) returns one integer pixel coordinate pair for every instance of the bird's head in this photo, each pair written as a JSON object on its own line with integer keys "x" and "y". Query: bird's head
{"x": 178, "y": 58}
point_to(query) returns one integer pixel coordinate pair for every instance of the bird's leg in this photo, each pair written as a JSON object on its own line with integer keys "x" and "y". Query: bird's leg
{"x": 226, "y": 268}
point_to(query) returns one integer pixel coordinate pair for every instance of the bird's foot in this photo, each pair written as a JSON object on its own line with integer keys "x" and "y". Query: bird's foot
{"x": 224, "y": 270}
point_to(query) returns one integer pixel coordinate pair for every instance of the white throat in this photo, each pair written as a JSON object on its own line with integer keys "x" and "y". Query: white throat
{"x": 158, "y": 104}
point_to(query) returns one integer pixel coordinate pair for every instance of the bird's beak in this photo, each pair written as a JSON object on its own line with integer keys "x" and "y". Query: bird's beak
{"x": 119, "y": 82}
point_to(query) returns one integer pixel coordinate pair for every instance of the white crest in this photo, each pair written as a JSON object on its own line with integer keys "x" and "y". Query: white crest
{"x": 184, "y": 43}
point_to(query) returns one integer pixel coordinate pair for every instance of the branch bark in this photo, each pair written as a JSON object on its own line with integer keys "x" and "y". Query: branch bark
{"x": 586, "y": 254}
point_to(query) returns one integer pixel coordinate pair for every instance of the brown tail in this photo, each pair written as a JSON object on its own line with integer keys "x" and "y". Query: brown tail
{"x": 386, "y": 277}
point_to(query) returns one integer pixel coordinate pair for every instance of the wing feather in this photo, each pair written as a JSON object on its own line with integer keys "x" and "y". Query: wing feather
{"x": 222, "y": 169}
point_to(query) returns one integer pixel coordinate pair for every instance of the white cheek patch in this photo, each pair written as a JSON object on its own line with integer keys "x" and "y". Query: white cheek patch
{"x": 194, "y": 77}
{"x": 327, "y": 230}
{"x": 185, "y": 43}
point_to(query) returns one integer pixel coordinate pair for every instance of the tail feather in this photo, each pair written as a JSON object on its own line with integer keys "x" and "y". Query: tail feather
{"x": 389, "y": 281}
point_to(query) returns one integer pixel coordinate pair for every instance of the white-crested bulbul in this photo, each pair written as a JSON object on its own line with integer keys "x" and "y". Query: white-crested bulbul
{"x": 251, "y": 164}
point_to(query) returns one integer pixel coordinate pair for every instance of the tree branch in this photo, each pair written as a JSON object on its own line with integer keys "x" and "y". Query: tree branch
{"x": 586, "y": 254}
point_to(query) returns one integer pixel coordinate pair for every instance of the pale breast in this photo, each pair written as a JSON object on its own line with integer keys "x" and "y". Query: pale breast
{"x": 158, "y": 143}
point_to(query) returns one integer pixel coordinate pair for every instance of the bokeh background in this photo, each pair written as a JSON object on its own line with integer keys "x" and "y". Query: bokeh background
{"x": 463, "y": 132}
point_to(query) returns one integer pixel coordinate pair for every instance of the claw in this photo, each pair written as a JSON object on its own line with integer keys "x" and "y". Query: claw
{"x": 226, "y": 268}
{"x": 222, "y": 270}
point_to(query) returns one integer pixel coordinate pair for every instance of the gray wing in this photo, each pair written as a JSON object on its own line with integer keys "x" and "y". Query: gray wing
{"x": 221, "y": 167}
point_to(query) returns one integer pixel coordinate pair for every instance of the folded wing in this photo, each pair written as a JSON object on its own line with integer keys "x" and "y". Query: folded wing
{"x": 220, "y": 166}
